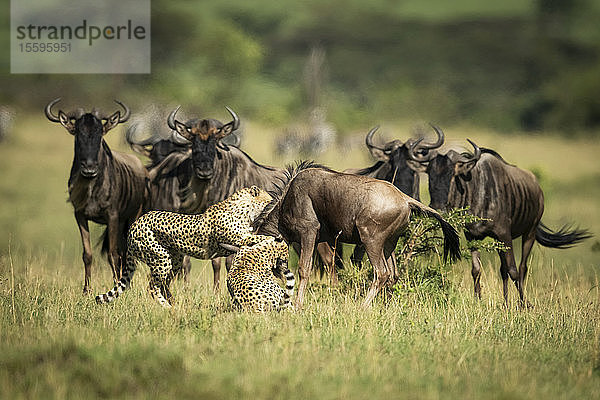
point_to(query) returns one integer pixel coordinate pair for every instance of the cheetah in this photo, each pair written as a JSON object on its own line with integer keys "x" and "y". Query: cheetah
{"x": 162, "y": 238}
{"x": 251, "y": 280}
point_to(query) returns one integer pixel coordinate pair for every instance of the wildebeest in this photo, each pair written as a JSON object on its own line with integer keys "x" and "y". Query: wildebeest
{"x": 106, "y": 187}
{"x": 320, "y": 205}
{"x": 209, "y": 172}
{"x": 508, "y": 198}
{"x": 393, "y": 162}
{"x": 393, "y": 165}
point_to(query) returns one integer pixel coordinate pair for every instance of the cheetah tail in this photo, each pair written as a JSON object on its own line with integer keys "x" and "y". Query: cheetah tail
{"x": 123, "y": 283}
{"x": 289, "y": 288}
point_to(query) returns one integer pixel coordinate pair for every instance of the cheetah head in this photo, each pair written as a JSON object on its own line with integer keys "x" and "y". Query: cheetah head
{"x": 256, "y": 198}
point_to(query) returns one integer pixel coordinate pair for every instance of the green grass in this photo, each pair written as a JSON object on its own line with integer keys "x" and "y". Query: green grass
{"x": 56, "y": 343}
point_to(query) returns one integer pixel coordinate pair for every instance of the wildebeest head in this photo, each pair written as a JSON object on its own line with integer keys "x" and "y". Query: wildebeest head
{"x": 442, "y": 169}
{"x": 205, "y": 136}
{"x": 88, "y": 129}
{"x": 396, "y": 155}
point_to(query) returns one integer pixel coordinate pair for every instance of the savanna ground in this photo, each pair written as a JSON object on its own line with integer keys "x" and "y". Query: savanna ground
{"x": 56, "y": 343}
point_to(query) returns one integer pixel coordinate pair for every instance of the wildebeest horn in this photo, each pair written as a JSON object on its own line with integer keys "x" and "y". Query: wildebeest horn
{"x": 236, "y": 120}
{"x": 178, "y": 139}
{"x": 171, "y": 118}
{"x": 438, "y": 143}
{"x": 476, "y": 153}
{"x": 415, "y": 156}
{"x": 48, "y": 110}
{"x": 235, "y": 141}
{"x": 234, "y": 124}
{"x": 125, "y": 117}
{"x": 369, "y": 139}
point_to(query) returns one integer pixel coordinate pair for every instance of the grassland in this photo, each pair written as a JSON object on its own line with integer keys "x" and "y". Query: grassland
{"x": 56, "y": 343}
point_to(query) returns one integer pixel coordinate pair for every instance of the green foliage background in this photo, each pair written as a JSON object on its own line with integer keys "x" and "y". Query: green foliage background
{"x": 529, "y": 64}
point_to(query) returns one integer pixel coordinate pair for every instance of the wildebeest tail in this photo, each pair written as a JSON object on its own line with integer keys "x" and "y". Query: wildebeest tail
{"x": 451, "y": 239}
{"x": 123, "y": 283}
{"x": 289, "y": 288}
{"x": 563, "y": 238}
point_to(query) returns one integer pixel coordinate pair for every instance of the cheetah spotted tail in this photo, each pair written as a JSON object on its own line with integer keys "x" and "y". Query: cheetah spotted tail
{"x": 123, "y": 283}
{"x": 289, "y": 288}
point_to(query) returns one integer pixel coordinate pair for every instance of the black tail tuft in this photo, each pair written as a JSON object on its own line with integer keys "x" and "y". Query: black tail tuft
{"x": 451, "y": 239}
{"x": 564, "y": 238}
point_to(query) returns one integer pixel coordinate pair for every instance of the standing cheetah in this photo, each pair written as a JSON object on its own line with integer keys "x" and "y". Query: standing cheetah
{"x": 251, "y": 281}
{"x": 161, "y": 239}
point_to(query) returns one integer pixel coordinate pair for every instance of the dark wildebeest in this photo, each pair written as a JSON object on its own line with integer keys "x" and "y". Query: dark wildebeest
{"x": 393, "y": 165}
{"x": 320, "y": 205}
{"x": 510, "y": 199}
{"x": 394, "y": 161}
{"x": 105, "y": 186}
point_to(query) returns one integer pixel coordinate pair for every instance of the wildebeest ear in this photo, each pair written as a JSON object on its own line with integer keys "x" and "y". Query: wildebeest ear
{"x": 66, "y": 122}
{"x": 183, "y": 130}
{"x": 416, "y": 166}
{"x": 463, "y": 168}
{"x": 254, "y": 191}
{"x": 111, "y": 122}
{"x": 229, "y": 247}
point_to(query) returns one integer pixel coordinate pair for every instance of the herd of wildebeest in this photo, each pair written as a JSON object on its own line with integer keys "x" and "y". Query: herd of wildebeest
{"x": 313, "y": 207}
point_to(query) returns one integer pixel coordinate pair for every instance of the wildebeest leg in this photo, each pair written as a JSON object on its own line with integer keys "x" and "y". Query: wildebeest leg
{"x": 392, "y": 268}
{"x": 229, "y": 262}
{"x": 389, "y": 252}
{"x": 113, "y": 246}
{"x": 186, "y": 268}
{"x": 216, "y": 265}
{"x": 357, "y": 255}
{"x": 380, "y": 271}
{"x": 527, "y": 243}
{"x": 328, "y": 257}
{"x": 476, "y": 271}
{"x": 84, "y": 231}
{"x": 508, "y": 268}
{"x": 307, "y": 246}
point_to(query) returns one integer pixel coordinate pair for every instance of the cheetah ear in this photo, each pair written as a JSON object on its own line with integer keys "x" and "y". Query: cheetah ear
{"x": 229, "y": 247}
{"x": 254, "y": 191}
{"x": 279, "y": 238}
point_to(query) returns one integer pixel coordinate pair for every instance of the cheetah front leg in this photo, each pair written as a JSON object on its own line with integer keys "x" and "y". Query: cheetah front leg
{"x": 161, "y": 274}
{"x": 157, "y": 289}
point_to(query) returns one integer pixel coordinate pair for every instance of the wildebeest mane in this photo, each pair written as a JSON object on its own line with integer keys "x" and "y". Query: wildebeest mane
{"x": 290, "y": 172}
{"x": 495, "y": 154}
{"x": 368, "y": 170}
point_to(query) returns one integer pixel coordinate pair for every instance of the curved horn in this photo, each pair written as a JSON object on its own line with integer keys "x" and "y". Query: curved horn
{"x": 125, "y": 117}
{"x": 178, "y": 139}
{"x": 476, "y": 154}
{"x": 229, "y": 127}
{"x": 171, "y": 118}
{"x": 235, "y": 121}
{"x": 438, "y": 143}
{"x": 235, "y": 140}
{"x": 48, "y": 110}
{"x": 420, "y": 157}
{"x": 412, "y": 154}
{"x": 130, "y": 134}
{"x": 369, "y": 139}
{"x": 476, "y": 150}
